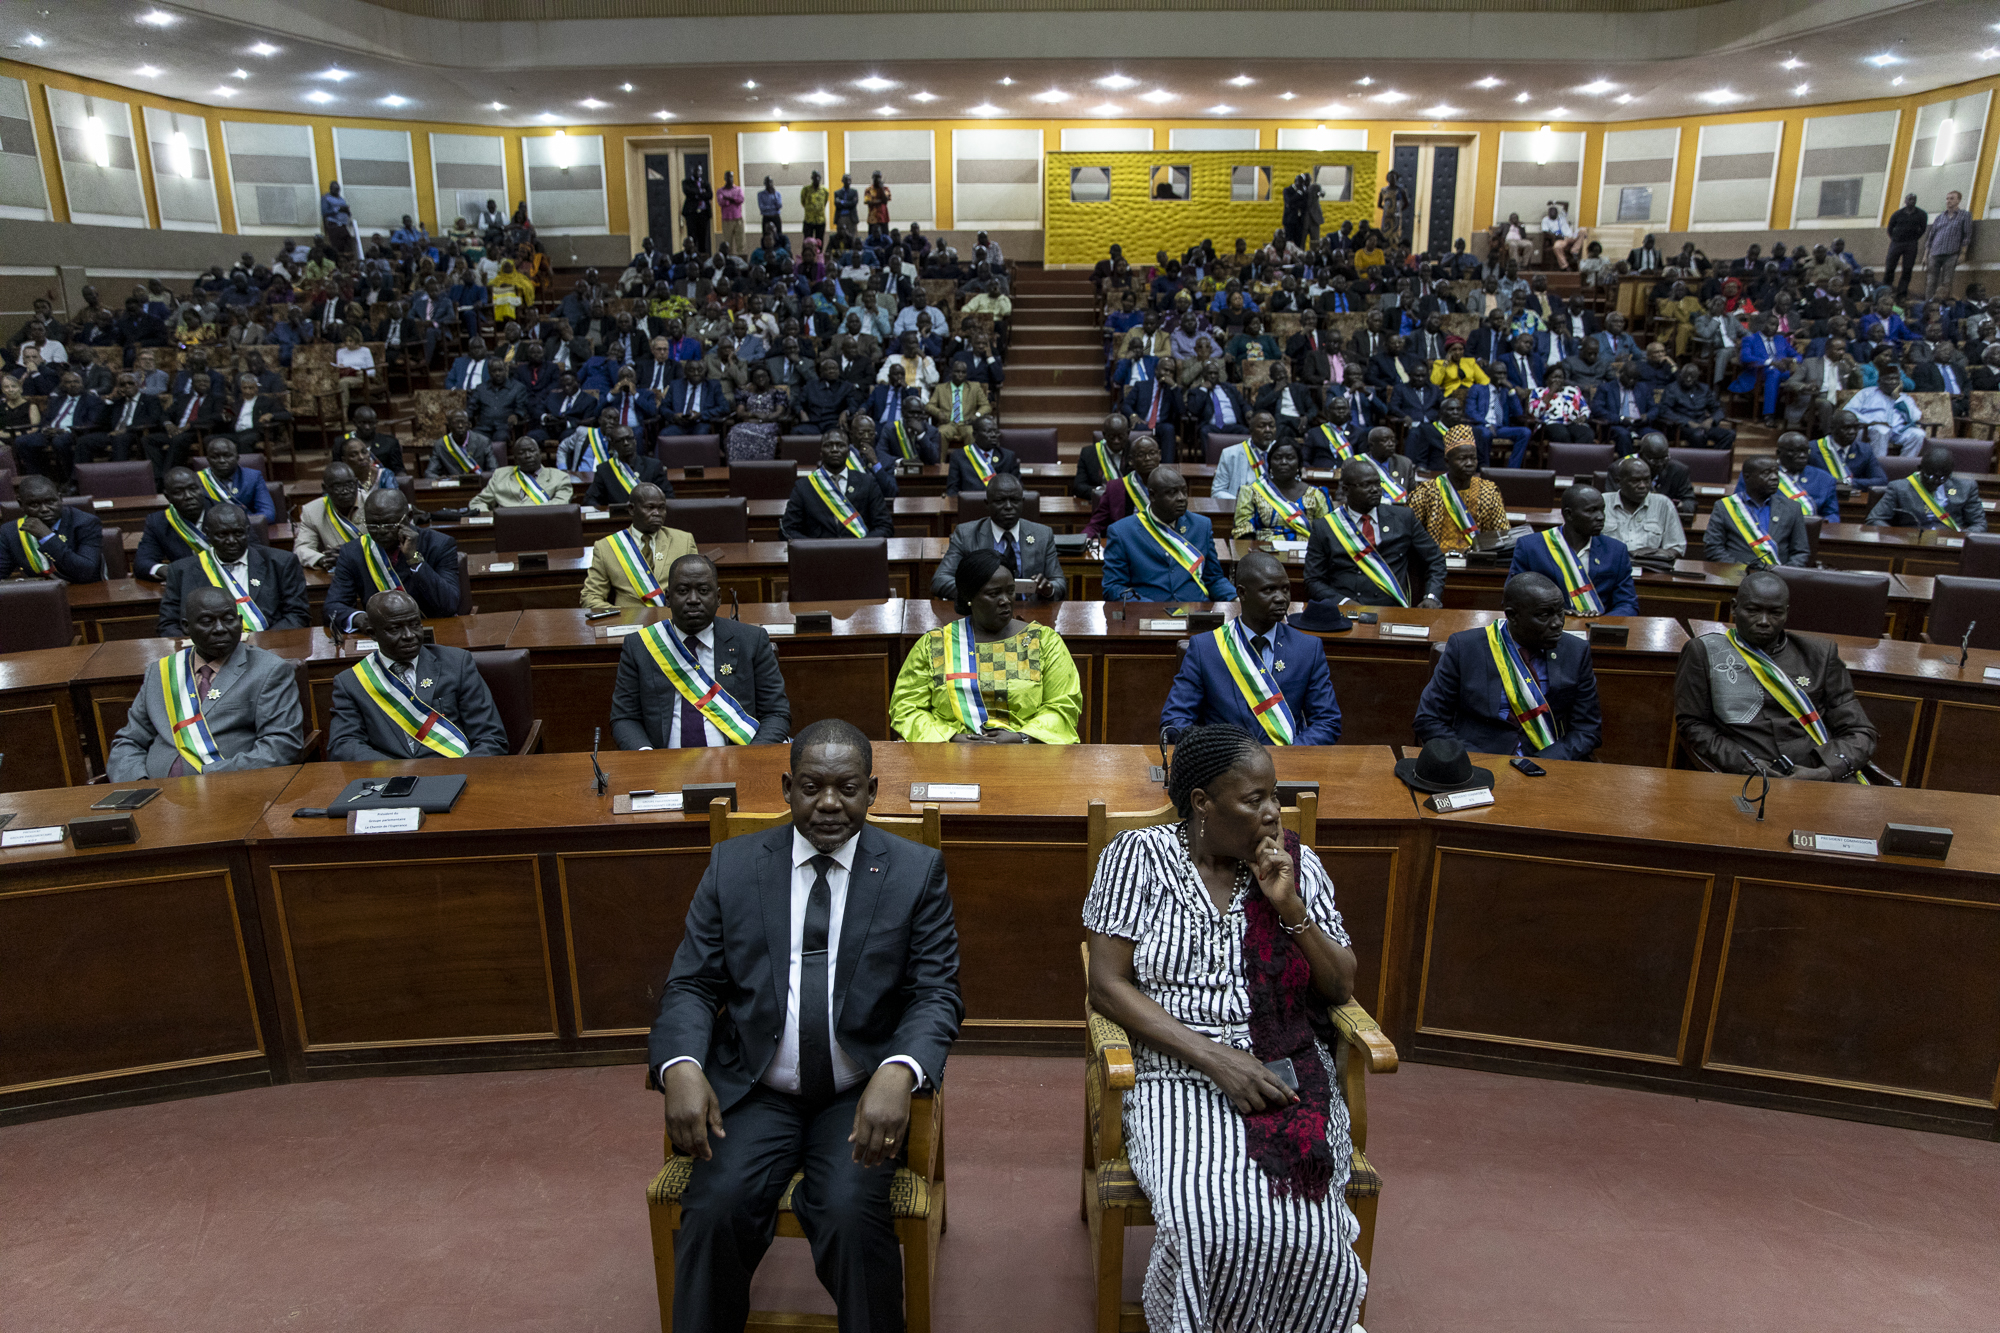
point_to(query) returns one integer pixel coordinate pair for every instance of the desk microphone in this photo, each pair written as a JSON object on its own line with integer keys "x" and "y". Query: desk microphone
{"x": 1965, "y": 645}
{"x": 603, "y": 783}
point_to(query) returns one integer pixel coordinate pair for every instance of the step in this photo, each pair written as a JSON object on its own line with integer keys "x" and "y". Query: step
{"x": 1054, "y": 377}
{"x": 1055, "y": 398}
{"x": 1049, "y": 342}
{"x": 1072, "y": 428}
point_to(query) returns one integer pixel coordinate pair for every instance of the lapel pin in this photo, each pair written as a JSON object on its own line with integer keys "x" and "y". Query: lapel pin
{"x": 215, "y": 694}
{"x": 256, "y": 583}
{"x": 1030, "y": 539}
{"x": 725, "y": 669}
{"x": 425, "y": 682}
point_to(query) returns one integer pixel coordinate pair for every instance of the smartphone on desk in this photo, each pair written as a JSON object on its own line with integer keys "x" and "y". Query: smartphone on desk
{"x": 395, "y": 789}
{"x": 1528, "y": 766}
{"x": 129, "y": 799}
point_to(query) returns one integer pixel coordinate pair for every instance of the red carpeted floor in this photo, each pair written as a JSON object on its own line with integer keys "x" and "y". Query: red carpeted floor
{"x": 514, "y": 1201}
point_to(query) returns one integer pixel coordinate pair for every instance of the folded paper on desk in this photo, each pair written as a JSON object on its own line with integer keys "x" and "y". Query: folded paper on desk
{"x": 434, "y": 795}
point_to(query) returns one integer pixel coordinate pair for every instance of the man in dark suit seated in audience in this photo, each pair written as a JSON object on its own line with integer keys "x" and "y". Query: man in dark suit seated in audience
{"x": 71, "y": 412}
{"x": 392, "y": 554}
{"x": 1370, "y": 552}
{"x": 1519, "y": 686}
{"x": 193, "y": 410}
{"x": 1623, "y": 405}
{"x": 1593, "y": 570}
{"x": 407, "y": 700}
{"x": 1670, "y": 477}
{"x": 173, "y": 533}
{"x": 129, "y": 417}
{"x": 255, "y": 415}
{"x": 266, "y": 585}
{"x": 767, "y": 1073}
{"x": 224, "y": 478}
{"x": 1754, "y": 695}
{"x": 1102, "y": 459}
{"x": 1026, "y": 547}
{"x": 1154, "y": 406}
{"x": 1162, "y": 553}
{"x": 668, "y": 670}
{"x": 611, "y": 481}
{"x": 1757, "y": 525}
{"x": 1931, "y": 498}
{"x": 835, "y": 500}
{"x": 51, "y": 540}
{"x": 1691, "y": 407}
{"x": 1270, "y": 661}
{"x": 974, "y": 466}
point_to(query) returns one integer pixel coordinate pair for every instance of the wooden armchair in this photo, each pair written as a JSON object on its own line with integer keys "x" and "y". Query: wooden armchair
{"x": 1112, "y": 1199}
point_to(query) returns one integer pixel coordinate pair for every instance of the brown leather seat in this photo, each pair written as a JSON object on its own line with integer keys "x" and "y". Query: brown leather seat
{"x": 838, "y": 569}
{"x": 972, "y": 505}
{"x": 721, "y": 518}
{"x": 281, "y": 503}
{"x": 1957, "y": 601}
{"x": 465, "y": 606}
{"x": 537, "y": 527}
{"x": 505, "y": 671}
{"x": 802, "y": 449}
{"x": 1974, "y": 457}
{"x": 1579, "y": 460}
{"x": 1980, "y": 557}
{"x": 1031, "y": 444}
{"x": 1706, "y": 467}
{"x": 11, "y": 509}
{"x": 1898, "y": 466}
{"x": 34, "y": 613}
{"x": 314, "y": 748}
{"x": 1524, "y": 487}
{"x": 116, "y": 566}
{"x": 763, "y": 479}
{"x": 1213, "y": 444}
{"x": 1836, "y": 601}
{"x": 116, "y": 479}
{"x": 6, "y": 483}
{"x": 689, "y": 451}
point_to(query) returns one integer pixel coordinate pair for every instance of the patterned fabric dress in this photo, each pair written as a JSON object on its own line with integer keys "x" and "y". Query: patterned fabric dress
{"x": 757, "y": 440}
{"x": 1028, "y": 683}
{"x": 1228, "y": 1256}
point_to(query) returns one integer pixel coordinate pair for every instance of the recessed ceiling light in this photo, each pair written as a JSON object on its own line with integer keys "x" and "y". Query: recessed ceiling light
{"x": 1006, "y": 83}
{"x": 749, "y": 83}
{"x": 624, "y": 87}
{"x": 924, "y": 97}
{"x": 1220, "y": 109}
{"x": 983, "y": 109}
{"x": 1365, "y": 81}
{"x": 820, "y": 97}
{"x": 1597, "y": 87}
{"x": 224, "y": 90}
{"x": 1107, "y": 109}
{"x": 593, "y": 103}
{"x": 663, "y": 115}
{"x": 1556, "y": 111}
{"x": 1334, "y": 109}
{"x": 885, "y": 111}
{"x": 319, "y": 95}
{"x": 395, "y": 100}
{"x": 1286, "y": 97}
{"x": 1896, "y": 82}
{"x": 1440, "y": 111}
{"x": 1990, "y": 53}
{"x": 1488, "y": 82}
{"x": 1241, "y": 81}
{"x": 1116, "y": 82}
{"x": 31, "y": 39}
{"x": 548, "y": 115}
{"x": 1052, "y": 96}
{"x": 1802, "y": 90}
{"x": 1390, "y": 95}
{"x": 239, "y": 74}
{"x": 335, "y": 73}
{"x": 1622, "y": 97}
{"x": 875, "y": 83}
{"x": 1521, "y": 97}
{"x": 159, "y": 18}
{"x": 1720, "y": 96}
{"x": 778, "y": 112}
{"x": 263, "y": 49}
{"x": 1793, "y": 63}
{"x": 1886, "y": 58}
{"x": 497, "y": 106}
{"x": 147, "y": 72}
{"x": 1158, "y": 95}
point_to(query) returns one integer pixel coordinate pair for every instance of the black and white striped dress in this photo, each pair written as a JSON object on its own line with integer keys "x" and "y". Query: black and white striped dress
{"x": 1228, "y": 1257}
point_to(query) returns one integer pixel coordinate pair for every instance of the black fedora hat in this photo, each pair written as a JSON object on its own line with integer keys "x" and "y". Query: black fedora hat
{"x": 1443, "y": 766}
{"x": 1320, "y": 618}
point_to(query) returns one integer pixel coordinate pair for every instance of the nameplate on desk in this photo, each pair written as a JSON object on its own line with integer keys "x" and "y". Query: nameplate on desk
{"x": 1165, "y": 625}
{"x": 597, "y": 513}
{"x": 1709, "y": 490}
{"x": 31, "y": 837}
{"x": 1991, "y": 673}
{"x": 447, "y": 484}
{"x": 1827, "y": 842}
{"x": 398, "y": 819}
{"x": 362, "y": 646}
{"x": 657, "y": 803}
{"x": 1949, "y": 543}
{"x": 1450, "y": 802}
{"x": 777, "y": 631}
{"x": 619, "y": 631}
{"x": 944, "y": 791}
{"x": 1450, "y": 561}
{"x": 1407, "y": 631}
{"x": 103, "y": 504}
{"x": 501, "y": 567}
{"x": 1513, "y": 517}
{"x": 479, "y": 521}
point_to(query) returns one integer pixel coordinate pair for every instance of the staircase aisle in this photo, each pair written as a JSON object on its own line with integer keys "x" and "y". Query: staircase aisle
{"x": 1055, "y": 364}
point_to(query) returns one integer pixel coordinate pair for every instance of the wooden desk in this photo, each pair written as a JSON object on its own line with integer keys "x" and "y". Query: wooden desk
{"x": 38, "y": 733}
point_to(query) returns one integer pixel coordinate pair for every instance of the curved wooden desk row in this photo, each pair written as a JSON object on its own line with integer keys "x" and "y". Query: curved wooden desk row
{"x": 1606, "y": 923}
{"x": 1938, "y": 721}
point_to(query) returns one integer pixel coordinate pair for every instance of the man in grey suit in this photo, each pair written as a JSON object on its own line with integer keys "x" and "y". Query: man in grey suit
{"x": 248, "y": 697}
{"x": 1725, "y": 542}
{"x": 439, "y": 681}
{"x": 1388, "y": 530}
{"x": 1029, "y": 547}
{"x": 1902, "y": 507}
{"x": 270, "y": 578}
{"x": 649, "y": 713}
{"x": 475, "y": 448}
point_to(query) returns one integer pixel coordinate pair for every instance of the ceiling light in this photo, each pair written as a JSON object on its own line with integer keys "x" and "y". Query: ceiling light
{"x": 1006, "y": 83}
{"x": 336, "y": 74}
{"x": 1622, "y": 98}
{"x": 1896, "y": 82}
{"x": 1116, "y": 82}
{"x": 1107, "y": 109}
{"x": 1220, "y": 109}
{"x": 239, "y": 74}
{"x": 779, "y": 112}
{"x": 1802, "y": 90}
{"x": 1886, "y": 58}
{"x": 1990, "y": 53}
{"x": 1557, "y": 111}
{"x": 1241, "y": 81}
{"x": 1597, "y": 87}
{"x": 548, "y": 115}
{"x": 1365, "y": 82}
{"x": 875, "y": 83}
{"x": 1521, "y": 97}
{"x": 96, "y": 142}
{"x": 1720, "y": 96}
{"x": 498, "y": 106}
{"x": 592, "y": 103}
{"x": 319, "y": 95}
{"x": 1390, "y": 95}
{"x": 663, "y": 115}
{"x": 562, "y": 150}
{"x": 1157, "y": 96}
{"x": 31, "y": 39}
{"x": 749, "y": 83}
{"x": 1941, "y": 149}
{"x": 885, "y": 111}
{"x": 159, "y": 18}
{"x": 263, "y": 49}
{"x": 924, "y": 97}
{"x": 1488, "y": 82}
{"x": 1052, "y": 96}
{"x": 180, "y": 155}
{"x": 1440, "y": 111}
{"x": 1545, "y": 146}
{"x": 1793, "y": 63}
{"x": 1286, "y": 97}
{"x": 983, "y": 109}
{"x": 624, "y": 87}
{"x": 784, "y": 145}
{"x": 1335, "y": 110}
{"x": 394, "y": 100}
{"x": 225, "y": 90}
{"x": 820, "y": 97}
{"x": 147, "y": 72}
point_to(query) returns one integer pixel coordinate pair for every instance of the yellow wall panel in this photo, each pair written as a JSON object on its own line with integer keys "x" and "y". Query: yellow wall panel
{"x": 1083, "y": 233}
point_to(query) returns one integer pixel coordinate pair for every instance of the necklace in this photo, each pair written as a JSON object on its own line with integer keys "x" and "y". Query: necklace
{"x": 1237, "y": 888}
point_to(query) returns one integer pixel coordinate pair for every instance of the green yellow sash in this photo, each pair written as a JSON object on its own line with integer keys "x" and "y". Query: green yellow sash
{"x": 977, "y": 462}
{"x": 31, "y": 550}
{"x": 1174, "y": 545}
{"x": 456, "y": 455}
{"x": 1582, "y": 593}
{"x": 843, "y": 512}
{"x": 904, "y": 449}
{"x": 1291, "y": 513}
{"x": 1524, "y": 697}
{"x": 189, "y": 731}
{"x": 1789, "y": 696}
{"x": 186, "y": 531}
{"x": 1791, "y": 490}
{"x": 631, "y": 558}
{"x": 1365, "y": 557}
{"x": 961, "y": 677}
{"x": 1336, "y": 442}
{"x": 1830, "y": 456}
{"x": 1454, "y": 508}
{"x": 1395, "y": 492}
{"x": 247, "y": 610}
{"x": 1752, "y": 532}
{"x": 342, "y": 529}
{"x": 215, "y": 492}
{"x": 1257, "y": 686}
{"x": 536, "y": 494}
{"x": 1106, "y": 468}
{"x": 417, "y": 720}
{"x": 696, "y": 685}
{"x": 1937, "y": 511}
{"x": 380, "y": 572}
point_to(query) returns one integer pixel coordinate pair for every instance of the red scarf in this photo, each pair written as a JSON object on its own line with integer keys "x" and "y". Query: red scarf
{"x": 1286, "y": 1016}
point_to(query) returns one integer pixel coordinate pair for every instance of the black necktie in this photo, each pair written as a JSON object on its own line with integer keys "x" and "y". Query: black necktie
{"x": 1262, "y": 645}
{"x": 815, "y": 1036}
{"x": 1009, "y": 554}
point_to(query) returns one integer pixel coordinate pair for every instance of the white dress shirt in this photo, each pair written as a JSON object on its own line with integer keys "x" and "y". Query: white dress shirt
{"x": 246, "y": 416}
{"x": 704, "y": 651}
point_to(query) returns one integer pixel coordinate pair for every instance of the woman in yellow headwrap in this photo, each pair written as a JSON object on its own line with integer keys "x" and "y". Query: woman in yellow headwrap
{"x": 511, "y": 292}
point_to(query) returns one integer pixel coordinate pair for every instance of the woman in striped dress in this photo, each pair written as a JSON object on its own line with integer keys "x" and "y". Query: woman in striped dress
{"x": 1216, "y": 943}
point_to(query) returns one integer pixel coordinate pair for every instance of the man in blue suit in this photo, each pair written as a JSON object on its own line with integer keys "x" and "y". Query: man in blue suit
{"x": 1138, "y": 568}
{"x": 1795, "y": 466}
{"x": 1768, "y": 360}
{"x": 1624, "y": 404}
{"x": 1495, "y": 414}
{"x": 1290, "y": 663}
{"x": 1599, "y": 581}
{"x": 1525, "y": 364}
{"x": 1847, "y": 449}
{"x": 1467, "y": 698}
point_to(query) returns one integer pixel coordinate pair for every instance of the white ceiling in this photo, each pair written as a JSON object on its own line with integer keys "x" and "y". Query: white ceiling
{"x": 1391, "y": 66}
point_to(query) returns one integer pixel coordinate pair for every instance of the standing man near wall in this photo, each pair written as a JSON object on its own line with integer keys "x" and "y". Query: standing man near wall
{"x": 1946, "y": 241}
{"x": 812, "y": 201}
{"x": 729, "y": 211}
{"x": 1906, "y": 232}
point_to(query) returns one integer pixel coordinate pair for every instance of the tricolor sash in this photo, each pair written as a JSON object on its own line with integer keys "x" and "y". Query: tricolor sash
{"x": 843, "y": 512}
{"x": 1524, "y": 697}
{"x": 415, "y": 719}
{"x": 247, "y": 610}
{"x": 1833, "y": 459}
{"x": 1582, "y": 593}
{"x": 380, "y": 572}
{"x": 1365, "y": 557}
{"x": 1937, "y": 511}
{"x": 1175, "y": 545}
{"x": 1780, "y": 687}
{"x": 695, "y": 685}
{"x": 1257, "y": 686}
{"x": 456, "y": 454}
{"x": 1791, "y": 490}
{"x": 1454, "y": 508}
{"x": 215, "y": 492}
{"x": 189, "y": 731}
{"x": 1392, "y": 490}
{"x": 961, "y": 676}
{"x": 31, "y": 550}
{"x": 1257, "y": 463}
{"x": 593, "y": 444}
{"x": 904, "y": 449}
{"x": 186, "y": 531}
{"x": 1760, "y": 541}
{"x": 536, "y": 494}
{"x": 631, "y": 558}
{"x": 1105, "y": 467}
{"x": 1291, "y": 513}
{"x": 977, "y": 462}
{"x": 342, "y": 529}
{"x": 1335, "y": 440}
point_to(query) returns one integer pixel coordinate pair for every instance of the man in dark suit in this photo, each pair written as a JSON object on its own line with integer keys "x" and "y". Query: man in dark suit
{"x": 173, "y": 533}
{"x": 1523, "y": 364}
{"x": 694, "y": 405}
{"x": 422, "y": 561}
{"x": 565, "y": 407}
{"x": 437, "y": 705}
{"x": 225, "y": 478}
{"x": 608, "y": 486}
{"x": 1102, "y": 459}
{"x": 1365, "y": 409}
{"x": 1602, "y": 565}
{"x": 1670, "y": 477}
{"x": 973, "y": 467}
{"x": 1414, "y": 565}
{"x": 825, "y": 500}
{"x": 1624, "y": 404}
{"x": 765, "y": 1073}
{"x": 499, "y": 405}
{"x": 253, "y": 415}
{"x": 1293, "y": 665}
{"x": 1368, "y": 340}
{"x": 259, "y": 577}
{"x": 72, "y": 412}
{"x": 1757, "y": 526}
{"x": 1028, "y": 548}
{"x": 648, "y": 712}
{"x": 1211, "y": 405}
{"x": 1489, "y": 344}
{"x": 1691, "y": 407}
{"x": 1467, "y": 699}
{"x": 1953, "y": 503}
{"x": 1153, "y": 406}
{"x": 1645, "y": 259}
{"x": 51, "y": 540}
{"x": 192, "y": 411}
{"x": 128, "y": 418}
